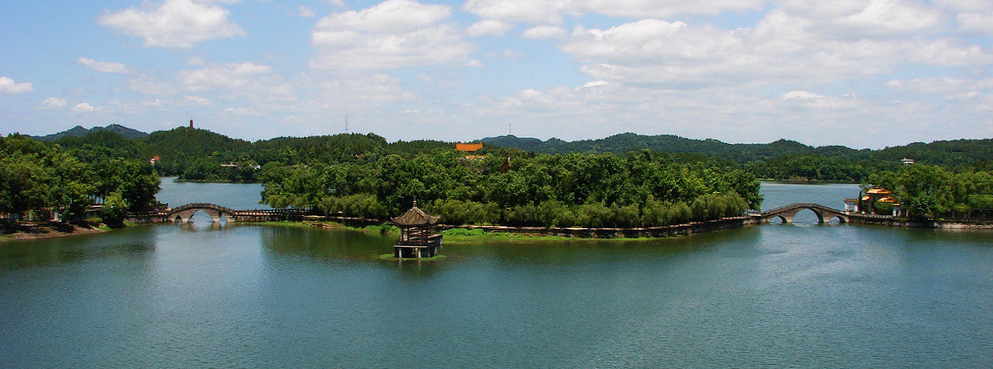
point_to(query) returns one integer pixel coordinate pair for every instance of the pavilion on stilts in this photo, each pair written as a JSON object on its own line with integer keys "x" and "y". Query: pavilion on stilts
{"x": 418, "y": 236}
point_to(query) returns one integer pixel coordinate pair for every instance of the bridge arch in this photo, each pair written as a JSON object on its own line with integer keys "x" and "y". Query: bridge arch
{"x": 786, "y": 213}
{"x": 183, "y": 213}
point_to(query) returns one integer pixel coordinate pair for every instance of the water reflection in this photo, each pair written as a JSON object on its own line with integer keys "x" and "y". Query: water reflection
{"x": 324, "y": 244}
{"x": 45, "y": 252}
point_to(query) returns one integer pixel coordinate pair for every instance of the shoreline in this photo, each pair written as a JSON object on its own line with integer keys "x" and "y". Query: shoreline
{"x": 466, "y": 233}
{"x": 40, "y": 231}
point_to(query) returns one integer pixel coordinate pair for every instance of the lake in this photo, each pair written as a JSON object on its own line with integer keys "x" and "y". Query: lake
{"x": 239, "y": 296}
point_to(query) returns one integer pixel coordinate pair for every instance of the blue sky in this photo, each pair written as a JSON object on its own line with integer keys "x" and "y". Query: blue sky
{"x": 860, "y": 73}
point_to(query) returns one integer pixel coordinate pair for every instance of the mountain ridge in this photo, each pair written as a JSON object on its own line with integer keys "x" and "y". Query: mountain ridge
{"x": 80, "y": 131}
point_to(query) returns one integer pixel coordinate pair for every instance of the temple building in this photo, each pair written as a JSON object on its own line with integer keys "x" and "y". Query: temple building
{"x": 418, "y": 236}
{"x": 880, "y": 194}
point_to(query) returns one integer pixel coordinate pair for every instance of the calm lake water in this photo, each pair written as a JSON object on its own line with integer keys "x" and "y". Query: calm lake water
{"x": 803, "y": 295}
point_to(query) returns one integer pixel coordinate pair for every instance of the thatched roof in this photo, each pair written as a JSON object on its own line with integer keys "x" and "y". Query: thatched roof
{"x": 415, "y": 217}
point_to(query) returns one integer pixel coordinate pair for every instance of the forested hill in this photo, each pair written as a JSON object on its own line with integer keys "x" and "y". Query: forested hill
{"x": 199, "y": 154}
{"x": 79, "y": 131}
{"x": 625, "y": 142}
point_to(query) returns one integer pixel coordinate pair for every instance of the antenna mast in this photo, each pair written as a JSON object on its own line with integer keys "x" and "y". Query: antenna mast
{"x": 346, "y": 124}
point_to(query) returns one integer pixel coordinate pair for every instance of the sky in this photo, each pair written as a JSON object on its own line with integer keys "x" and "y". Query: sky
{"x": 859, "y": 73}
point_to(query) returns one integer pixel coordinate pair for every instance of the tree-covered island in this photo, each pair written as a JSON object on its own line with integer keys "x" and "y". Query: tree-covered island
{"x": 521, "y": 189}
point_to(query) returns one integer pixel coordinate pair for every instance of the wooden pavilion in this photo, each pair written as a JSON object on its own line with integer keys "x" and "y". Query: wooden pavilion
{"x": 418, "y": 237}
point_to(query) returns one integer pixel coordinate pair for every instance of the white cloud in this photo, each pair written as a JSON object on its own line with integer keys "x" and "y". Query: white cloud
{"x": 488, "y": 27}
{"x": 225, "y": 76}
{"x": 174, "y": 23}
{"x": 255, "y": 82}
{"x": 305, "y": 12}
{"x": 99, "y": 66}
{"x": 966, "y": 5}
{"x": 361, "y": 90}
{"x": 156, "y": 104}
{"x": 474, "y": 63}
{"x": 663, "y": 9}
{"x": 551, "y": 12}
{"x": 782, "y": 48}
{"x": 391, "y": 16}
{"x": 976, "y": 23}
{"x": 150, "y": 85}
{"x": 545, "y": 33}
{"x": 951, "y": 88}
{"x": 808, "y": 99}
{"x": 9, "y": 87}
{"x": 511, "y": 54}
{"x": 242, "y": 111}
{"x": 198, "y": 101}
{"x": 393, "y": 34}
{"x": 84, "y": 108}
{"x": 54, "y": 103}
{"x": 538, "y": 12}
{"x": 887, "y": 17}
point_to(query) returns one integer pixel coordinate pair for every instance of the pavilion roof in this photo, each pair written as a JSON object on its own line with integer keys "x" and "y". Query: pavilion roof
{"x": 879, "y": 190}
{"x": 415, "y": 217}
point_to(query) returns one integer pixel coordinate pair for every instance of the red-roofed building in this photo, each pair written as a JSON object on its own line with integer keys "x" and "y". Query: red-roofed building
{"x": 468, "y": 147}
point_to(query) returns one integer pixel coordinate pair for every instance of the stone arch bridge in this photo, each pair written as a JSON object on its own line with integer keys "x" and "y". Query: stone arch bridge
{"x": 786, "y": 213}
{"x": 183, "y": 213}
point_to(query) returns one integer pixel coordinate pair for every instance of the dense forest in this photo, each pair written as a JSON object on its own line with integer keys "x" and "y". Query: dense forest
{"x": 35, "y": 177}
{"x": 201, "y": 155}
{"x": 932, "y": 192}
{"x": 622, "y": 180}
{"x": 514, "y": 188}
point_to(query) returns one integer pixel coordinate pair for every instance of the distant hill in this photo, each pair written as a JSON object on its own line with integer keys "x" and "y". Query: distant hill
{"x": 626, "y": 142}
{"x": 79, "y": 131}
{"x": 969, "y": 152}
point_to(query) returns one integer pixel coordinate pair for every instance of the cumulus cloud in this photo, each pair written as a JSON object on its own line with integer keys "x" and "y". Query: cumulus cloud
{"x": 174, "y": 23}
{"x": 488, "y": 27}
{"x": 253, "y": 81}
{"x": 889, "y": 17}
{"x": 106, "y": 67}
{"x": 150, "y": 85}
{"x": 538, "y": 12}
{"x": 242, "y": 111}
{"x": 54, "y": 103}
{"x": 545, "y": 33}
{"x": 305, "y": 12}
{"x": 552, "y": 12}
{"x": 83, "y": 108}
{"x": 511, "y": 54}
{"x": 9, "y": 87}
{"x": 947, "y": 86}
{"x": 808, "y": 99}
{"x": 361, "y": 90}
{"x": 393, "y": 34}
{"x": 198, "y": 101}
{"x": 786, "y": 46}
{"x": 663, "y": 9}
{"x": 226, "y": 76}
{"x": 976, "y": 23}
